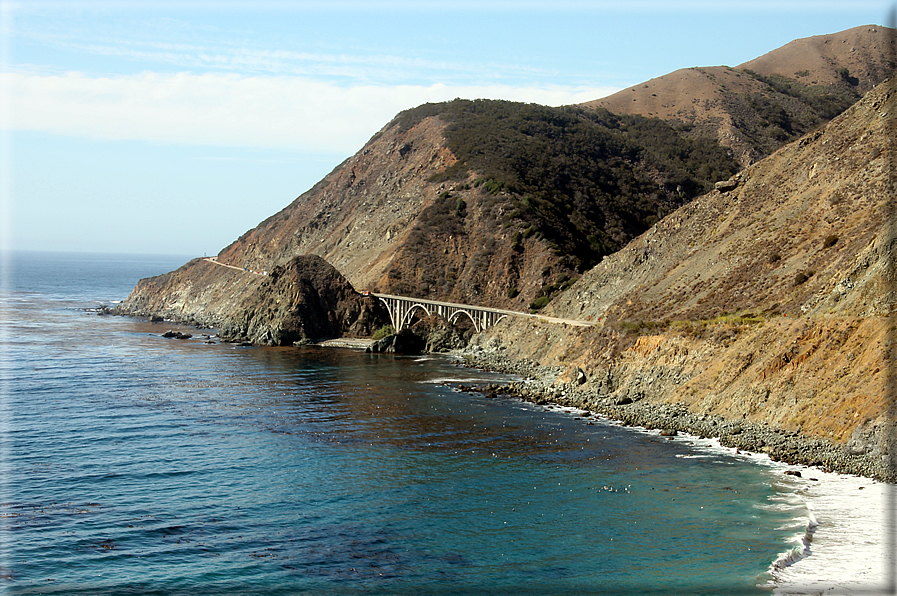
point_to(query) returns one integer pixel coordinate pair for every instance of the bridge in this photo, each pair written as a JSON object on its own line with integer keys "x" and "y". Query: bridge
{"x": 401, "y": 308}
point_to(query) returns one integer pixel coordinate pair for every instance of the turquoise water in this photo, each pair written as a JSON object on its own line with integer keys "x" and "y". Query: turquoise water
{"x": 133, "y": 464}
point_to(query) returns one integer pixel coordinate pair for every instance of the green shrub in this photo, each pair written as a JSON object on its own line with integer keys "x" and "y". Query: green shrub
{"x": 540, "y": 303}
{"x": 829, "y": 241}
{"x": 382, "y": 332}
{"x": 587, "y": 181}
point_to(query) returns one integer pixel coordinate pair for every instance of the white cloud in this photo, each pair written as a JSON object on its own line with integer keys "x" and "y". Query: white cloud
{"x": 234, "y": 110}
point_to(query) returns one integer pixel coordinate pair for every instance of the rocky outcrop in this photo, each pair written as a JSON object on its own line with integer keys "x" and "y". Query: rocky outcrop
{"x": 303, "y": 300}
{"x": 429, "y": 334}
{"x": 403, "y": 342}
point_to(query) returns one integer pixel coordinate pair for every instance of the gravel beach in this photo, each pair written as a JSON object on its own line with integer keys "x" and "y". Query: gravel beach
{"x": 539, "y": 386}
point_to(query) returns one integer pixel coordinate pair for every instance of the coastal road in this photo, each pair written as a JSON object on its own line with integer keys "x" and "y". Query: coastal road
{"x": 215, "y": 260}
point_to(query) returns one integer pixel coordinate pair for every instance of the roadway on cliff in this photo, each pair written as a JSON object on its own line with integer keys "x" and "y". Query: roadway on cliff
{"x": 401, "y": 307}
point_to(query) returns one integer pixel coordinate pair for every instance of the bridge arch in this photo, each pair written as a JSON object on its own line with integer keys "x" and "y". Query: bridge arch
{"x": 453, "y": 318}
{"x": 401, "y": 308}
{"x": 406, "y": 318}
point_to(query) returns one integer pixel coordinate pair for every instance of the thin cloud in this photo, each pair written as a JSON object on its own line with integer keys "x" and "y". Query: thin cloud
{"x": 243, "y": 58}
{"x": 233, "y": 110}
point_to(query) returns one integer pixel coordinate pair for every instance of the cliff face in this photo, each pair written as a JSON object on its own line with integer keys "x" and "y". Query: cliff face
{"x": 303, "y": 300}
{"x": 773, "y": 301}
{"x": 357, "y": 217}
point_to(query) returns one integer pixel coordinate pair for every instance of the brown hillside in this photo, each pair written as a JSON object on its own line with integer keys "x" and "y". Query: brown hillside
{"x": 385, "y": 224}
{"x": 741, "y": 110}
{"x": 359, "y": 218}
{"x": 773, "y": 302}
{"x": 867, "y": 52}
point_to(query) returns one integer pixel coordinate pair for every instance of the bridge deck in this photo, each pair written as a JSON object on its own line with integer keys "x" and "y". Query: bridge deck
{"x": 483, "y": 317}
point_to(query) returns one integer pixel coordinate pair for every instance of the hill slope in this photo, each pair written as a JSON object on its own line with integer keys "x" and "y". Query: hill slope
{"x": 757, "y": 106}
{"x": 490, "y": 202}
{"x": 493, "y": 202}
{"x": 773, "y": 302}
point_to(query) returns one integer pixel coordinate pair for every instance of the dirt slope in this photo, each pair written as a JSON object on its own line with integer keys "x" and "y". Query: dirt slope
{"x": 772, "y": 302}
{"x": 753, "y": 115}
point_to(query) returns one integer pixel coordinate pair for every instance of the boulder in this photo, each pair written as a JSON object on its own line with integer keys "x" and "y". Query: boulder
{"x": 726, "y": 185}
{"x": 403, "y": 342}
{"x": 173, "y": 334}
{"x": 304, "y": 300}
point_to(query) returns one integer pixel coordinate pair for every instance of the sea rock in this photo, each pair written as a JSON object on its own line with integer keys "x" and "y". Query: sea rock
{"x": 439, "y": 335}
{"x": 403, "y": 342}
{"x": 173, "y": 334}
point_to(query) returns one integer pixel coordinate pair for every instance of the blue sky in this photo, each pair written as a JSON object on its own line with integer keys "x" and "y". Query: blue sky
{"x": 174, "y": 127}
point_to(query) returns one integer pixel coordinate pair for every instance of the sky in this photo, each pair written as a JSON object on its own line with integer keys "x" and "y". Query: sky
{"x": 175, "y": 127}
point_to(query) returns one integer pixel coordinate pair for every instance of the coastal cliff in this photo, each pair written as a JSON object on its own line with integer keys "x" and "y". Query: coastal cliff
{"x": 764, "y": 304}
{"x": 304, "y": 300}
{"x": 770, "y": 302}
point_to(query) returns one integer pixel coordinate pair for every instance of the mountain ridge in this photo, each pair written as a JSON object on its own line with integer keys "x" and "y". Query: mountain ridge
{"x": 744, "y": 107}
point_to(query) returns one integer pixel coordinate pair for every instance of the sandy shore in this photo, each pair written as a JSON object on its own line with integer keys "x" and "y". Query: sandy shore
{"x": 346, "y": 342}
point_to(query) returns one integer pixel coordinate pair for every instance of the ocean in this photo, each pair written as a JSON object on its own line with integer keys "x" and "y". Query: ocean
{"x": 135, "y": 464}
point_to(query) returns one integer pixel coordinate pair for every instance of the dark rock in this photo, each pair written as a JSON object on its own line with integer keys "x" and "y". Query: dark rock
{"x": 403, "y": 342}
{"x": 172, "y": 334}
{"x": 792, "y": 473}
{"x": 305, "y": 299}
{"x": 439, "y": 335}
{"x": 668, "y": 433}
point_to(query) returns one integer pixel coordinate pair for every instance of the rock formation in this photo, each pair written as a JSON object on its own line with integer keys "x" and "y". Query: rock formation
{"x": 304, "y": 300}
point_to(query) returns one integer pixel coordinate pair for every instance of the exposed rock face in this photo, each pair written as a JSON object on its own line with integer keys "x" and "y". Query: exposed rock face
{"x": 201, "y": 293}
{"x": 403, "y": 342}
{"x": 357, "y": 216}
{"x": 439, "y": 335}
{"x": 773, "y": 302}
{"x": 305, "y": 299}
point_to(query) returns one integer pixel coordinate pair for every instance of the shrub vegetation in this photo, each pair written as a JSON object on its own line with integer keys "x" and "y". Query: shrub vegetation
{"x": 586, "y": 181}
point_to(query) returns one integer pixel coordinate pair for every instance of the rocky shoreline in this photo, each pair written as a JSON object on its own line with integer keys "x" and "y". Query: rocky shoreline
{"x": 541, "y": 386}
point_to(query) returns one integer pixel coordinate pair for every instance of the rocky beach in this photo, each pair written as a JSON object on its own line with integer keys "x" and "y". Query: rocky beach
{"x": 541, "y": 385}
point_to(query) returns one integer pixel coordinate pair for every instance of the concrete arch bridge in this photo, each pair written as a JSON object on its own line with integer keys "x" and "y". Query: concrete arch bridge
{"x": 402, "y": 307}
